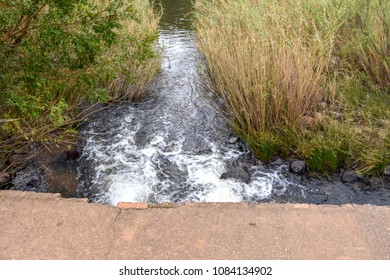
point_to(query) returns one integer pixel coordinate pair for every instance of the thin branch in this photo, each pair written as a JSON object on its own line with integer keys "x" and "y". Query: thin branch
{"x": 7, "y": 120}
{"x": 28, "y": 22}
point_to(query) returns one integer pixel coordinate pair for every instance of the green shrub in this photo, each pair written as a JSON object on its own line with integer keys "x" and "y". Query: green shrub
{"x": 59, "y": 51}
{"x": 56, "y": 54}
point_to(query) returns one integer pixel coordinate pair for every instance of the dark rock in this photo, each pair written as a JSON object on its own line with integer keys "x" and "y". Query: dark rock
{"x": 72, "y": 154}
{"x": 52, "y": 170}
{"x": 197, "y": 145}
{"x": 61, "y": 181}
{"x": 380, "y": 182}
{"x": 4, "y": 177}
{"x": 387, "y": 171}
{"x": 353, "y": 177}
{"x": 238, "y": 174}
{"x": 377, "y": 181}
{"x": 298, "y": 167}
{"x": 241, "y": 147}
{"x": 366, "y": 185}
{"x": 168, "y": 170}
{"x": 233, "y": 140}
{"x": 296, "y": 178}
{"x": 386, "y": 182}
{"x": 29, "y": 179}
{"x": 277, "y": 161}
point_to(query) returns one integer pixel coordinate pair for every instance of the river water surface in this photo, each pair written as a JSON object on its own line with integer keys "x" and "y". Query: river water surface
{"x": 174, "y": 146}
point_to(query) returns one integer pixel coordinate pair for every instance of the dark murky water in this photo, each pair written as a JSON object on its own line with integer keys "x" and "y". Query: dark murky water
{"x": 175, "y": 146}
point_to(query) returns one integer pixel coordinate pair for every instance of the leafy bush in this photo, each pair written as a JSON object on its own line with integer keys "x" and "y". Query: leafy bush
{"x": 56, "y": 54}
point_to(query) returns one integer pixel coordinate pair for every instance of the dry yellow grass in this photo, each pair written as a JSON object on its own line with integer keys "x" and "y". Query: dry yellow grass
{"x": 267, "y": 76}
{"x": 289, "y": 70}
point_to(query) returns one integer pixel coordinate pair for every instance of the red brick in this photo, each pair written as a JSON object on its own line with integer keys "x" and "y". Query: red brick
{"x": 132, "y": 205}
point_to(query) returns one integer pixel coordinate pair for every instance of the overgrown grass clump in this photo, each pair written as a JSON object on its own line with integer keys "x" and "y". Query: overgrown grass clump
{"x": 306, "y": 77}
{"x": 57, "y": 54}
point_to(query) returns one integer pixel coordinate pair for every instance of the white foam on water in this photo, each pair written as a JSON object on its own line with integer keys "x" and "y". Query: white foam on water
{"x": 125, "y": 171}
{"x": 225, "y": 193}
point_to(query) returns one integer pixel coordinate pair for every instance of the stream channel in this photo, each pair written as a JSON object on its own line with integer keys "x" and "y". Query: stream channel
{"x": 176, "y": 147}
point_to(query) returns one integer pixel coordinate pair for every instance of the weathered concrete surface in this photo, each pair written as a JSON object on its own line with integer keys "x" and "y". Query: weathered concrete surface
{"x": 45, "y": 226}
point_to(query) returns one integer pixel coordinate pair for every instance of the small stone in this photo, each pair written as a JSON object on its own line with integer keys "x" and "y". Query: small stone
{"x": 296, "y": 178}
{"x": 277, "y": 161}
{"x": 351, "y": 177}
{"x": 4, "y": 177}
{"x": 238, "y": 174}
{"x": 377, "y": 181}
{"x": 298, "y": 167}
{"x": 131, "y": 205}
{"x": 233, "y": 140}
{"x": 387, "y": 171}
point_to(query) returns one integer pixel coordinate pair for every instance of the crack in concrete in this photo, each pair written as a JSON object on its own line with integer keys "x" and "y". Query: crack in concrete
{"x": 114, "y": 234}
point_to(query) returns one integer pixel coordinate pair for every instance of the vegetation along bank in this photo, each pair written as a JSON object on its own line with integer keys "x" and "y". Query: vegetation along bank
{"x": 304, "y": 78}
{"x": 58, "y": 56}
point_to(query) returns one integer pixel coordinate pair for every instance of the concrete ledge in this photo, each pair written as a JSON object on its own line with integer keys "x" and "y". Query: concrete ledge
{"x": 46, "y": 226}
{"x": 39, "y": 196}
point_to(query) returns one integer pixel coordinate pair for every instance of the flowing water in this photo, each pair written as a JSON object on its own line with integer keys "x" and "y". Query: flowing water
{"x": 175, "y": 146}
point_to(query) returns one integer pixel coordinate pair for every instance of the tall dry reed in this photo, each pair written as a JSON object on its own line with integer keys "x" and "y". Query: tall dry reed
{"x": 269, "y": 68}
{"x": 288, "y": 72}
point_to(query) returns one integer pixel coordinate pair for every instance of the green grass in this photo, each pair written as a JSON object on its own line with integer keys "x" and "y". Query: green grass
{"x": 309, "y": 78}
